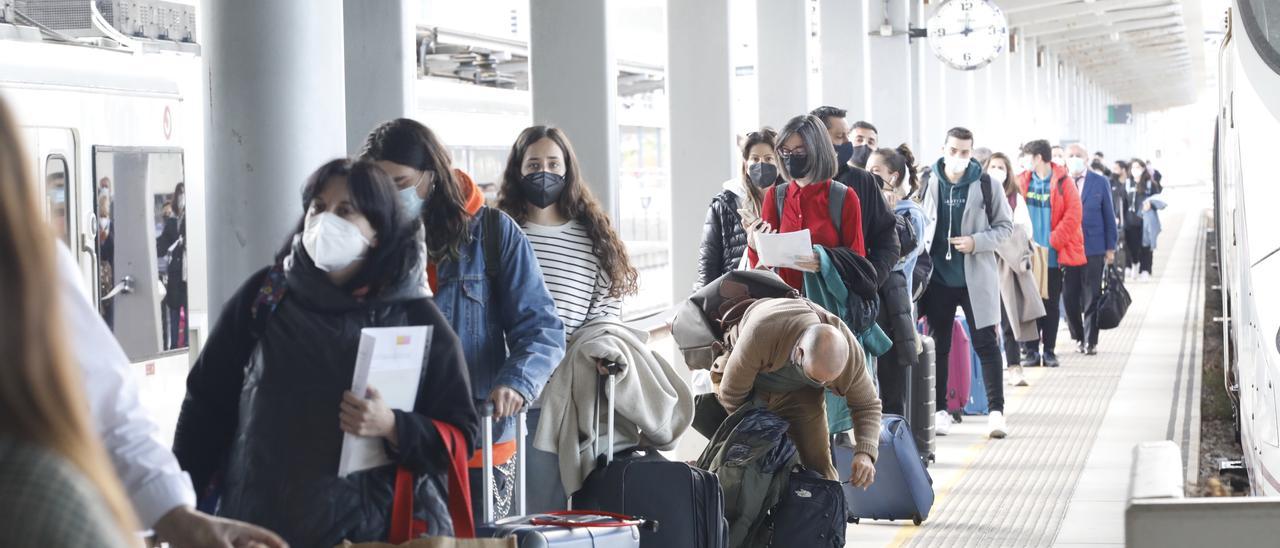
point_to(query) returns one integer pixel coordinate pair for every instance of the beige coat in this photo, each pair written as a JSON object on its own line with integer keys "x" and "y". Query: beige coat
{"x": 1019, "y": 291}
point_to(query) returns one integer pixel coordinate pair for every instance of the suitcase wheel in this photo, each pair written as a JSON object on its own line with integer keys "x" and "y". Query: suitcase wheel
{"x": 916, "y": 519}
{"x": 853, "y": 521}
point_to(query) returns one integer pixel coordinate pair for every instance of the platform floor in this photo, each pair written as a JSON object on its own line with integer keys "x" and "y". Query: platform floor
{"x": 1062, "y": 476}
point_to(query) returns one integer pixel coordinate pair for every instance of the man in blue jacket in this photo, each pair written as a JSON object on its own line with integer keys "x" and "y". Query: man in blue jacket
{"x": 1082, "y": 285}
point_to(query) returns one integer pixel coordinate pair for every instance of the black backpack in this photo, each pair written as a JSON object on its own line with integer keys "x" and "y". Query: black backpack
{"x": 907, "y": 237}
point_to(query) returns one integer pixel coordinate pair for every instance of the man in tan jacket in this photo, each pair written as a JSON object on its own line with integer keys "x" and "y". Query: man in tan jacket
{"x": 788, "y": 352}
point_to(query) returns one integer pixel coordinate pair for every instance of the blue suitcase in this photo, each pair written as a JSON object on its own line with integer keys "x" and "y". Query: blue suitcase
{"x": 903, "y": 488}
{"x": 977, "y": 403}
{"x": 583, "y": 530}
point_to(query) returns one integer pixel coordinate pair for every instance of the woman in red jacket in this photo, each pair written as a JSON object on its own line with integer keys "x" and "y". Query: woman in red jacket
{"x": 810, "y": 198}
{"x": 1054, "y": 205}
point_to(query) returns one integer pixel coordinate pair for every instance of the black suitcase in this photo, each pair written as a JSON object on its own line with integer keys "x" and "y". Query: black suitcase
{"x": 921, "y": 400}
{"x": 686, "y": 502}
{"x": 557, "y": 529}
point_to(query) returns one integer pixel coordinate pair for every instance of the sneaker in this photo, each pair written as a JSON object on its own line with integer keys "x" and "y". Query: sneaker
{"x": 941, "y": 423}
{"x": 1015, "y": 377}
{"x": 1081, "y": 348}
{"x": 995, "y": 421}
{"x": 1050, "y": 359}
{"x": 1031, "y": 359}
{"x": 1091, "y": 351}
{"x": 1144, "y": 277}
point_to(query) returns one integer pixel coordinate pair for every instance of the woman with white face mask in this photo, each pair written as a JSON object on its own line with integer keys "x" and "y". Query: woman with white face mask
{"x": 1001, "y": 171}
{"x": 269, "y": 399}
{"x": 1141, "y": 186}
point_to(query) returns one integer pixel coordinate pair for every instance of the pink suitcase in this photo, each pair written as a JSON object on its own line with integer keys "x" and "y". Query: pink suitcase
{"x": 958, "y": 365}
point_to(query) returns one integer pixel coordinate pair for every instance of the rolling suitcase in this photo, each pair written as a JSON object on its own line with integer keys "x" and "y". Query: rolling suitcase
{"x": 922, "y": 399}
{"x": 959, "y": 364}
{"x": 569, "y": 529}
{"x": 686, "y": 502}
{"x": 903, "y": 488}
{"x": 977, "y": 402}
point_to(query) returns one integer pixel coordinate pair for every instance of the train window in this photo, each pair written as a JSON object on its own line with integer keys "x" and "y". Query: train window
{"x": 1261, "y": 19}
{"x": 141, "y": 205}
{"x": 56, "y": 193}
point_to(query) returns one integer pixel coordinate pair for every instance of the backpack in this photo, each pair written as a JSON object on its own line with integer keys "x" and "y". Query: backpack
{"x": 835, "y": 202}
{"x": 907, "y": 237}
{"x": 701, "y": 320}
{"x": 924, "y": 264}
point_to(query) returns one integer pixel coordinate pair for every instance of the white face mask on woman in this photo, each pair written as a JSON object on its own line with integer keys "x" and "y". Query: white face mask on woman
{"x": 997, "y": 175}
{"x": 333, "y": 242}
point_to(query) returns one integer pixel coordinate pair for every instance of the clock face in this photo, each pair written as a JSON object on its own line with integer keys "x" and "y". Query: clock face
{"x": 968, "y": 34}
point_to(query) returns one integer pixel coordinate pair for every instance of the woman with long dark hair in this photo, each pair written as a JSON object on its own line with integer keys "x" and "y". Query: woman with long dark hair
{"x": 486, "y": 281}
{"x": 1139, "y": 188}
{"x": 724, "y": 234}
{"x": 269, "y": 398}
{"x": 57, "y": 487}
{"x": 583, "y": 261}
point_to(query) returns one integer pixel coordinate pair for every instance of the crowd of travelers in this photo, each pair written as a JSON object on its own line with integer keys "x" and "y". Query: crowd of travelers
{"x": 523, "y": 296}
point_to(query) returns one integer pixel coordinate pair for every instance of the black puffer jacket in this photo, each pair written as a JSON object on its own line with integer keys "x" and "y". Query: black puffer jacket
{"x": 260, "y": 421}
{"x": 896, "y": 318}
{"x": 723, "y": 239}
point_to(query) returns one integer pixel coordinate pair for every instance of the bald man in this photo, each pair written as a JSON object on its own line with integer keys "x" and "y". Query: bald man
{"x": 786, "y": 353}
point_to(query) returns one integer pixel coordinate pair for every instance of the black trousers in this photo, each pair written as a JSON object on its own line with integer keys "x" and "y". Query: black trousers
{"x": 1012, "y": 350}
{"x": 892, "y": 375}
{"x": 939, "y": 308}
{"x": 1082, "y": 285}
{"x": 1052, "y": 316}
{"x": 1146, "y": 256}
{"x": 1133, "y": 244}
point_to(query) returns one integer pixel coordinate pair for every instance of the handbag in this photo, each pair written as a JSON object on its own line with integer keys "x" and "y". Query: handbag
{"x": 1114, "y": 301}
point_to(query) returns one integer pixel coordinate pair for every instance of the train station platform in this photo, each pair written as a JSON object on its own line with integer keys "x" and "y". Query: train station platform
{"x": 1062, "y": 476}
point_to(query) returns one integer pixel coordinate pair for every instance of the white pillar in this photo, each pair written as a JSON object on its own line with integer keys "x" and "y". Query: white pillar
{"x": 703, "y": 150}
{"x": 994, "y": 103}
{"x": 890, "y": 64}
{"x": 920, "y": 94}
{"x": 783, "y": 60}
{"x": 845, "y": 74}
{"x": 382, "y": 71}
{"x": 275, "y": 112}
{"x": 574, "y": 80}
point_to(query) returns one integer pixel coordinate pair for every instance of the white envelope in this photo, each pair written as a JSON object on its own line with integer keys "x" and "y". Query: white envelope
{"x": 783, "y": 250}
{"x": 390, "y": 360}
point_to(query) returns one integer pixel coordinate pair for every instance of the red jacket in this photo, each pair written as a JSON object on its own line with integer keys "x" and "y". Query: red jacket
{"x": 808, "y": 208}
{"x": 1066, "y": 217}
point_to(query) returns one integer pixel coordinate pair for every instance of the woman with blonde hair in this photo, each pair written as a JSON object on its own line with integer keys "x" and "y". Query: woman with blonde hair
{"x": 57, "y": 487}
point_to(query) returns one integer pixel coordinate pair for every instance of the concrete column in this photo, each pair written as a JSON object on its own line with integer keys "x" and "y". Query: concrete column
{"x": 845, "y": 73}
{"x": 275, "y": 112}
{"x": 574, "y": 81}
{"x": 783, "y": 60}
{"x": 994, "y": 103}
{"x": 920, "y": 94}
{"x": 890, "y": 64}
{"x": 703, "y": 149}
{"x": 381, "y": 64}
{"x": 958, "y": 100}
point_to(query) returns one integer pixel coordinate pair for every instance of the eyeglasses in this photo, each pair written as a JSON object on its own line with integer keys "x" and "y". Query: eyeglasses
{"x": 787, "y": 152}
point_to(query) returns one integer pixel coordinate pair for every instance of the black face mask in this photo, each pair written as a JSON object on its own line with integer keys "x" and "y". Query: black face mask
{"x": 844, "y": 153}
{"x": 861, "y": 154}
{"x": 797, "y": 165}
{"x": 763, "y": 174}
{"x": 542, "y": 188}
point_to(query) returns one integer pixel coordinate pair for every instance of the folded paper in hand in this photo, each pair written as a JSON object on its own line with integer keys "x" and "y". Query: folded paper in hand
{"x": 784, "y": 249}
{"x": 390, "y": 360}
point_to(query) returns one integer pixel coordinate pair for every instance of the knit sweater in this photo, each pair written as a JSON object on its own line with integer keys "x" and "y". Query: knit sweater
{"x": 762, "y": 342}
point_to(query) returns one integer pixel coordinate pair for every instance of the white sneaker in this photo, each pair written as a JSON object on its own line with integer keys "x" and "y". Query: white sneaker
{"x": 942, "y": 423}
{"x": 1128, "y": 272}
{"x": 1016, "y": 377}
{"x": 1144, "y": 277}
{"x": 998, "y": 427}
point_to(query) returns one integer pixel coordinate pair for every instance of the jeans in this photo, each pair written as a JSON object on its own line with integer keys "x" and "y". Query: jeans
{"x": 545, "y": 493}
{"x": 1052, "y": 315}
{"x": 1081, "y": 288}
{"x": 939, "y": 307}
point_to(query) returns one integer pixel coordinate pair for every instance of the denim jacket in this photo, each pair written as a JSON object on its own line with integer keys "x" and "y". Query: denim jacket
{"x": 511, "y": 334}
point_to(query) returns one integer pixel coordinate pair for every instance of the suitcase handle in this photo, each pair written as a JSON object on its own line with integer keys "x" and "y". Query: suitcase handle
{"x": 486, "y": 452}
{"x": 619, "y": 520}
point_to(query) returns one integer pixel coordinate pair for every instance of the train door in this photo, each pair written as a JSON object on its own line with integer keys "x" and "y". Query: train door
{"x": 141, "y": 249}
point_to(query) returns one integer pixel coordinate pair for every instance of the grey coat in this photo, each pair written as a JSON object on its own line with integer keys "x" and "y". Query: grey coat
{"x": 988, "y": 231}
{"x": 1018, "y": 288}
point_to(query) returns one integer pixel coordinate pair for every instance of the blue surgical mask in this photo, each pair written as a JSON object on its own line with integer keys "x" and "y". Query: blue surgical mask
{"x": 412, "y": 202}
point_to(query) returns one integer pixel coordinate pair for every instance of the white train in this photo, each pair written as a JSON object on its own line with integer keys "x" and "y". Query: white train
{"x": 1246, "y": 195}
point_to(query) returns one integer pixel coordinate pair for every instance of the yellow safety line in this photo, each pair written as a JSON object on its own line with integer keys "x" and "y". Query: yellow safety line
{"x": 970, "y": 455}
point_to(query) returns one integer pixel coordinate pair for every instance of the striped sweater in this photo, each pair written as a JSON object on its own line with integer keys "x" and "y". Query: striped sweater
{"x": 572, "y": 273}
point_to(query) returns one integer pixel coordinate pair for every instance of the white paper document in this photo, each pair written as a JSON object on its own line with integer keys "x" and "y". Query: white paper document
{"x": 784, "y": 249}
{"x": 390, "y": 360}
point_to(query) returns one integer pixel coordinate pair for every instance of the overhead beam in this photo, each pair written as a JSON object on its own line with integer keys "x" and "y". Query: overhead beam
{"x": 1170, "y": 22}
{"x": 1096, "y": 20}
{"x": 1035, "y": 17}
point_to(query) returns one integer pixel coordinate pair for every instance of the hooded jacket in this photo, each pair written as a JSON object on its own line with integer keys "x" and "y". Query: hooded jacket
{"x": 724, "y": 241}
{"x": 1066, "y": 234}
{"x": 260, "y": 420}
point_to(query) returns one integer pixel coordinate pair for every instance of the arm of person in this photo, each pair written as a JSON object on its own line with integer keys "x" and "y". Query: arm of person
{"x": 535, "y": 334}
{"x": 711, "y": 252}
{"x": 1022, "y": 217}
{"x": 851, "y": 225}
{"x": 1060, "y": 235}
{"x": 859, "y": 392}
{"x": 1109, "y": 233}
{"x": 748, "y": 358}
{"x": 1001, "y": 225}
{"x": 768, "y": 214}
{"x": 444, "y": 394}
{"x": 881, "y": 229}
{"x": 151, "y": 475}
{"x": 211, "y": 411}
